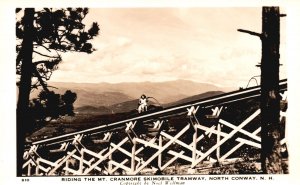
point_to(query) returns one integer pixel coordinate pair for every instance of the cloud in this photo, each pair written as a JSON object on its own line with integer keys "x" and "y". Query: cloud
{"x": 157, "y": 44}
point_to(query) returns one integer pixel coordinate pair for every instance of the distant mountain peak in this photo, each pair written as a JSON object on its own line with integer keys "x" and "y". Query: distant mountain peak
{"x": 107, "y": 94}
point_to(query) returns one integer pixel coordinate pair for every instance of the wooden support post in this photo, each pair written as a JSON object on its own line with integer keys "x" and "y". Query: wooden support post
{"x": 29, "y": 169}
{"x": 133, "y": 155}
{"x": 37, "y": 168}
{"x": 67, "y": 167}
{"x": 160, "y": 155}
{"x": 81, "y": 161}
{"x": 109, "y": 162}
{"x": 194, "y": 152}
{"x": 218, "y": 141}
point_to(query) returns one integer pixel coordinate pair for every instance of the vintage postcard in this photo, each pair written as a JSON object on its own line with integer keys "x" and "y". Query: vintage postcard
{"x": 149, "y": 93}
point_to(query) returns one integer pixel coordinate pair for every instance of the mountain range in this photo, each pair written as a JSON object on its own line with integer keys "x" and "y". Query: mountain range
{"x": 107, "y": 97}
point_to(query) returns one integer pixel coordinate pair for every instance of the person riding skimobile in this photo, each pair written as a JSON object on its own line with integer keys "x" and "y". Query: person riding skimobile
{"x": 143, "y": 104}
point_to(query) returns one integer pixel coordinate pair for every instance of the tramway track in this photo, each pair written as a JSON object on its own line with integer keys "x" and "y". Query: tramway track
{"x": 218, "y": 100}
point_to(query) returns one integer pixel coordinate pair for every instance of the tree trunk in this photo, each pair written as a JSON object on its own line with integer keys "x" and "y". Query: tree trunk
{"x": 270, "y": 98}
{"x": 23, "y": 114}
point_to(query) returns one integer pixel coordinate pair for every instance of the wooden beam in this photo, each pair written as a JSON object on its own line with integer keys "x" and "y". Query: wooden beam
{"x": 251, "y": 135}
{"x": 171, "y": 161}
{"x": 163, "y": 148}
{"x": 122, "y": 163}
{"x": 105, "y": 156}
{"x": 244, "y": 123}
{"x": 179, "y": 155}
{"x": 62, "y": 162}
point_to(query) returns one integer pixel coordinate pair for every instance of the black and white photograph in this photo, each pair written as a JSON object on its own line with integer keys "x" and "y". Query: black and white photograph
{"x": 151, "y": 95}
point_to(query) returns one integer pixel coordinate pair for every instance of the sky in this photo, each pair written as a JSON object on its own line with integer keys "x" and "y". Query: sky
{"x": 163, "y": 44}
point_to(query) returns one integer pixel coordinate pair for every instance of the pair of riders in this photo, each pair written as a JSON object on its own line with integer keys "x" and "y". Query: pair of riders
{"x": 143, "y": 104}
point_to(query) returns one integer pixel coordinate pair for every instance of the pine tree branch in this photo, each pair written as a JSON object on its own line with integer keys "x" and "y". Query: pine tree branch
{"x": 43, "y": 84}
{"x": 40, "y": 62}
{"x": 57, "y": 57}
{"x": 42, "y": 46}
{"x": 52, "y": 87}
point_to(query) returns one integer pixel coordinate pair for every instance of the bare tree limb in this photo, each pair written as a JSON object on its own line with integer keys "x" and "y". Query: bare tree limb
{"x": 250, "y": 32}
